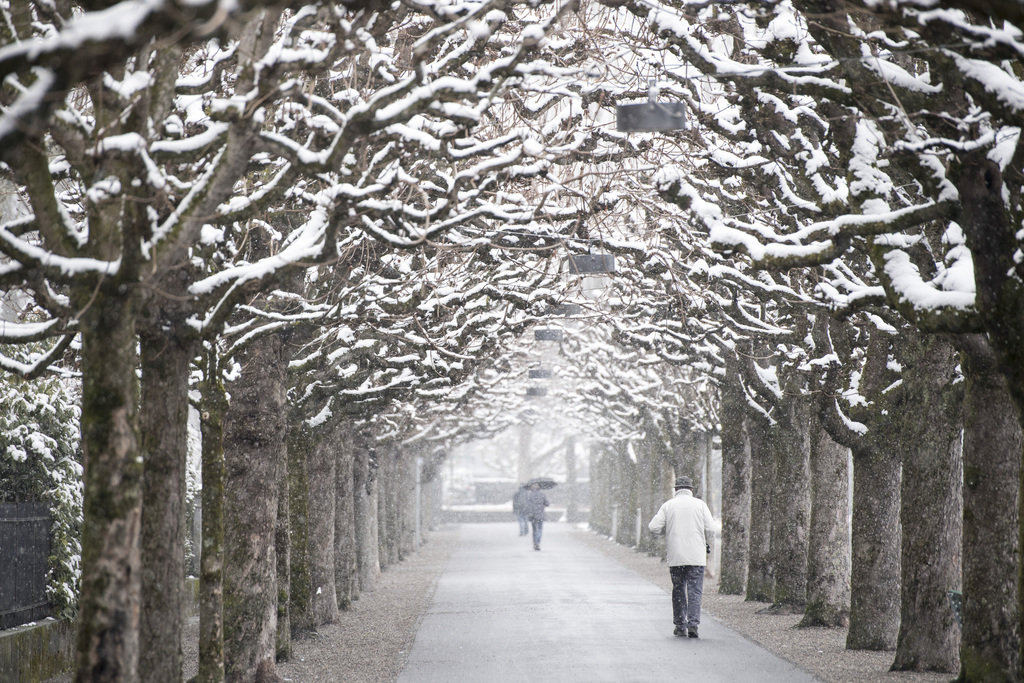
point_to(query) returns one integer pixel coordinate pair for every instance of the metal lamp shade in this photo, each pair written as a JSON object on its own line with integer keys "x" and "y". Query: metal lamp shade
{"x": 592, "y": 263}
{"x": 536, "y": 391}
{"x": 540, "y": 374}
{"x": 565, "y": 310}
{"x": 650, "y": 117}
{"x": 548, "y": 334}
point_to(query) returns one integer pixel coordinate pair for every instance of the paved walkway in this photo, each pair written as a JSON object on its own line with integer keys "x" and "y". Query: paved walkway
{"x": 503, "y": 612}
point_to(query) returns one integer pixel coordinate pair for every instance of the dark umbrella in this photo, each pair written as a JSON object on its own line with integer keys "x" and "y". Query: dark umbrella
{"x": 543, "y": 482}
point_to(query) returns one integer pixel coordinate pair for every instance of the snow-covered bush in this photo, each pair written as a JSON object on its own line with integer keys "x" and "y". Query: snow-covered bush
{"x": 40, "y": 461}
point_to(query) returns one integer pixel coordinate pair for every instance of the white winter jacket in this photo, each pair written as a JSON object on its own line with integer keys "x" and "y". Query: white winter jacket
{"x": 688, "y": 527}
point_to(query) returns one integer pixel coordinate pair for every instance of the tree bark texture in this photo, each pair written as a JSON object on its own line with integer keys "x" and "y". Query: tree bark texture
{"x": 760, "y": 575}
{"x": 283, "y": 554}
{"x": 871, "y": 431}
{"x": 647, "y": 477}
{"x": 409, "y": 466}
{"x": 346, "y": 574}
{"x": 828, "y": 551}
{"x": 322, "y": 478}
{"x": 300, "y": 444}
{"x": 365, "y": 517}
{"x": 736, "y": 471}
{"x": 791, "y": 500}
{"x": 255, "y": 448}
{"x": 108, "y": 608}
{"x": 875, "y": 551}
{"x": 992, "y": 454}
{"x": 214, "y": 406}
{"x": 992, "y": 236}
{"x": 385, "y": 495}
{"x": 932, "y": 507}
{"x": 164, "y": 428}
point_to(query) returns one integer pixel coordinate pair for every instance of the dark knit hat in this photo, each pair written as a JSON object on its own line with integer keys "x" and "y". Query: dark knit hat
{"x": 684, "y": 483}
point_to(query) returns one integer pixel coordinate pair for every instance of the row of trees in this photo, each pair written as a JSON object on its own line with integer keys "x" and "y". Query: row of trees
{"x": 328, "y": 227}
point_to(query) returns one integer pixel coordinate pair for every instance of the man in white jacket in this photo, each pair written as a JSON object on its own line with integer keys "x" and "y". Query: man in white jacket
{"x": 688, "y": 527}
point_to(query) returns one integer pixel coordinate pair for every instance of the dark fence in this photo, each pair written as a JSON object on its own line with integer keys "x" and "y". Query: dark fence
{"x": 24, "y": 549}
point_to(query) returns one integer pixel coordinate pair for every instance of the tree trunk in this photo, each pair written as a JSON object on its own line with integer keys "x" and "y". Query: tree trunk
{"x": 709, "y": 474}
{"x": 601, "y": 492}
{"x": 346, "y": 574}
{"x": 211, "y": 587}
{"x": 164, "y": 428}
{"x": 300, "y": 444}
{"x": 932, "y": 507}
{"x": 870, "y": 431}
{"x": 690, "y": 461}
{"x": 874, "y": 551}
{"x": 760, "y": 577}
{"x": 828, "y": 551}
{"x": 992, "y": 450}
{"x": 255, "y": 448}
{"x": 365, "y": 517}
{"x": 646, "y": 486}
{"x": 283, "y": 551}
{"x": 736, "y": 471}
{"x": 625, "y": 487}
{"x": 385, "y": 484}
{"x": 322, "y": 478}
{"x": 525, "y": 459}
{"x": 108, "y": 608}
{"x": 791, "y": 500}
{"x": 409, "y": 467}
{"x": 572, "y": 512}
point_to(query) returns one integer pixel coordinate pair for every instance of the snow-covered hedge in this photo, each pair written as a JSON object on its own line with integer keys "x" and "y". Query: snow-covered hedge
{"x": 40, "y": 461}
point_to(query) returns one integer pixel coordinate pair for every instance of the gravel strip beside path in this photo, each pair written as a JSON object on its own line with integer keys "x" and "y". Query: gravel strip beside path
{"x": 820, "y": 651}
{"x": 370, "y": 642}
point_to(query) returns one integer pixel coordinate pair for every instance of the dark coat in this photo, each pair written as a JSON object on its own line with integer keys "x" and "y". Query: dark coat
{"x": 536, "y": 501}
{"x": 519, "y": 501}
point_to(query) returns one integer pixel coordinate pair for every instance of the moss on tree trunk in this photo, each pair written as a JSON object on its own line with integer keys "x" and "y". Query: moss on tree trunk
{"x": 108, "y": 623}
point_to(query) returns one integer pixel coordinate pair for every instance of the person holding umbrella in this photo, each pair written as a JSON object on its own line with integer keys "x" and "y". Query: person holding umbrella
{"x": 535, "y": 503}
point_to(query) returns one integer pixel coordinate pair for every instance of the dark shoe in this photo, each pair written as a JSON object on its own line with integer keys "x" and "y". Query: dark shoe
{"x": 680, "y": 631}
{"x": 536, "y": 546}
{"x": 693, "y": 632}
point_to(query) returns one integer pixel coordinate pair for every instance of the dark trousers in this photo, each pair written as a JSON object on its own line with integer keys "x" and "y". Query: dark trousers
{"x": 687, "y": 589}
{"x": 538, "y": 529}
